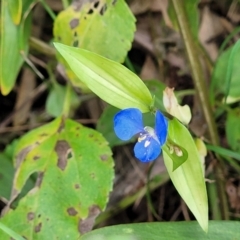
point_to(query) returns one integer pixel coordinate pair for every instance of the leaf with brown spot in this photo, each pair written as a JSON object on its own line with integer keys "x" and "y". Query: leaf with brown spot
{"x": 87, "y": 224}
{"x": 95, "y": 23}
{"x": 30, "y": 216}
{"x": 38, "y": 228}
{"x": 72, "y": 182}
{"x": 62, "y": 149}
{"x": 72, "y": 211}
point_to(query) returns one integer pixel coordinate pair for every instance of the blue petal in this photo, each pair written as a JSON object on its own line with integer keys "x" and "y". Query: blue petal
{"x": 149, "y": 153}
{"x": 127, "y": 123}
{"x": 161, "y": 127}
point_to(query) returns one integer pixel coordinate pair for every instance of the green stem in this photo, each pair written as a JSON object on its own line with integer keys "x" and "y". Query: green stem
{"x": 10, "y": 232}
{"x": 202, "y": 91}
{"x": 41, "y": 47}
{"x": 67, "y": 101}
{"x": 65, "y": 3}
{"x": 49, "y": 10}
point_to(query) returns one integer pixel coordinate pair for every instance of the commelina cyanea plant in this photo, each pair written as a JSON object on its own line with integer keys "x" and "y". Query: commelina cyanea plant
{"x": 128, "y": 123}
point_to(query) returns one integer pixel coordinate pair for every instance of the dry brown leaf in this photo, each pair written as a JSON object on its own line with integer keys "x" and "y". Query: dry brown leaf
{"x": 28, "y": 83}
{"x": 233, "y": 191}
{"x": 149, "y": 70}
{"x": 210, "y": 28}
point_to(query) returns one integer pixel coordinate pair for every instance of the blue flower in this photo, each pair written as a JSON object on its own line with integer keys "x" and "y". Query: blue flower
{"x": 128, "y": 123}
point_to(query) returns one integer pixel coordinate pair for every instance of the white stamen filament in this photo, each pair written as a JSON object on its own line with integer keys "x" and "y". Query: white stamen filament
{"x": 147, "y": 143}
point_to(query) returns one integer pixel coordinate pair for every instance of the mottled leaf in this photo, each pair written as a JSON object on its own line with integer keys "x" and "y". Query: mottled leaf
{"x": 98, "y": 26}
{"x": 75, "y": 174}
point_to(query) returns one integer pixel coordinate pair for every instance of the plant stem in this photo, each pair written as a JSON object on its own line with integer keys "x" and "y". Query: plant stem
{"x": 67, "y": 101}
{"x": 41, "y": 47}
{"x": 65, "y": 3}
{"x": 201, "y": 89}
{"x": 49, "y": 10}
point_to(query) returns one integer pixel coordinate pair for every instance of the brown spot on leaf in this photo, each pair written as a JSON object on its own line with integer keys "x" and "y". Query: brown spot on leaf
{"x": 38, "y": 228}
{"x": 74, "y": 23}
{"x": 92, "y": 175}
{"x": 30, "y": 216}
{"x": 72, "y": 211}
{"x": 77, "y": 128}
{"x": 36, "y": 157}
{"x": 1, "y": 176}
{"x": 104, "y": 157}
{"x": 87, "y": 224}
{"x": 96, "y": 4}
{"x": 43, "y": 135}
{"x": 114, "y": 2}
{"x": 77, "y": 186}
{"x": 77, "y": 5}
{"x": 62, "y": 149}
{"x": 90, "y": 135}
{"x": 103, "y": 9}
{"x": 22, "y": 154}
{"x": 39, "y": 179}
{"x": 61, "y": 127}
{"x": 75, "y": 43}
{"x": 90, "y": 11}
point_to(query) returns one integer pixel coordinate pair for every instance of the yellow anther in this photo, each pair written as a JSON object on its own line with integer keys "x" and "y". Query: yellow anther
{"x": 140, "y": 138}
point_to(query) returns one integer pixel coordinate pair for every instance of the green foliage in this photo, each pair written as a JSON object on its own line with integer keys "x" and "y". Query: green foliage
{"x": 98, "y": 26}
{"x": 225, "y": 79}
{"x": 14, "y": 41}
{"x": 233, "y": 129}
{"x": 188, "y": 178}
{"x": 105, "y": 122}
{"x": 221, "y": 230}
{"x": 57, "y": 178}
{"x": 56, "y": 98}
{"x": 75, "y": 173}
{"x": 15, "y": 9}
{"x": 110, "y": 80}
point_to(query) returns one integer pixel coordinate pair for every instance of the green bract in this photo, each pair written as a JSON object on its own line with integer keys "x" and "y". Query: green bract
{"x": 110, "y": 80}
{"x": 188, "y": 178}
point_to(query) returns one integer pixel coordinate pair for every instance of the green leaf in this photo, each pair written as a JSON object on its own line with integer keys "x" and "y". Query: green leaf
{"x": 15, "y": 8}
{"x": 220, "y": 230}
{"x": 188, "y": 179}
{"x": 75, "y": 175}
{"x": 56, "y": 98}
{"x": 6, "y": 175}
{"x": 225, "y": 79}
{"x": 233, "y": 129}
{"x": 98, "y": 26}
{"x": 105, "y": 126}
{"x": 13, "y": 45}
{"x": 156, "y": 88}
{"x": 10, "y": 232}
{"x": 110, "y": 80}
